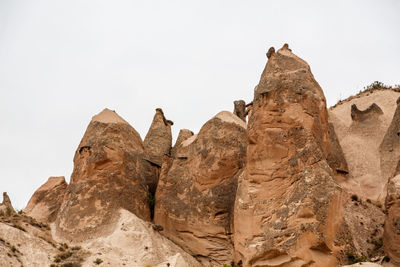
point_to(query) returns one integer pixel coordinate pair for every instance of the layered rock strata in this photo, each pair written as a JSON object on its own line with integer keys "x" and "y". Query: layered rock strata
{"x": 288, "y": 205}
{"x": 196, "y": 191}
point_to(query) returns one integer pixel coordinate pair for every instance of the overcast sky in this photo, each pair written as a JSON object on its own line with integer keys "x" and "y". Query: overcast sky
{"x": 61, "y": 62}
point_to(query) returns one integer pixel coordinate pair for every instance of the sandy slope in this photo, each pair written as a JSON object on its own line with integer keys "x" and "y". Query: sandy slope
{"x": 360, "y": 141}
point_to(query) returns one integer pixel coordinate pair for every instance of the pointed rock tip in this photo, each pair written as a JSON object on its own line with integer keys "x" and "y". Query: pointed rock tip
{"x": 108, "y": 116}
{"x": 166, "y": 122}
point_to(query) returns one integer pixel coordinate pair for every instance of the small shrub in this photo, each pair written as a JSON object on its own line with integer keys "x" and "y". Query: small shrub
{"x": 62, "y": 256}
{"x": 354, "y": 258}
{"x": 13, "y": 249}
{"x": 76, "y": 248}
{"x": 354, "y": 197}
{"x": 19, "y": 227}
{"x": 377, "y": 243}
{"x": 98, "y": 261}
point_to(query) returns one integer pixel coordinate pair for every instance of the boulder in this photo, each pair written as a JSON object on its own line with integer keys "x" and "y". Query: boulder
{"x": 6, "y": 208}
{"x": 47, "y": 199}
{"x": 158, "y": 140}
{"x": 110, "y": 172}
{"x": 288, "y": 205}
{"x": 196, "y": 190}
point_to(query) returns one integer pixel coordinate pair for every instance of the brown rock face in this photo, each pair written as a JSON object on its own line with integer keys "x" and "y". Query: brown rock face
{"x": 110, "y": 172}
{"x": 158, "y": 141}
{"x": 47, "y": 200}
{"x": 183, "y": 135}
{"x": 288, "y": 205}
{"x": 389, "y": 149}
{"x": 196, "y": 191}
{"x": 336, "y": 158}
{"x": 372, "y": 111}
{"x": 6, "y": 207}
{"x": 391, "y": 237}
{"x": 240, "y": 109}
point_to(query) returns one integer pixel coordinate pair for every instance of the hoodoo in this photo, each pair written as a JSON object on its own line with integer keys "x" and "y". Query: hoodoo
{"x": 110, "y": 172}
{"x": 287, "y": 204}
{"x": 196, "y": 191}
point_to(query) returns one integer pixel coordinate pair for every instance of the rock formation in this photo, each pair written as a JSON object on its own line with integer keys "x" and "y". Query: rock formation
{"x": 271, "y": 51}
{"x": 240, "y": 109}
{"x": 288, "y": 205}
{"x": 371, "y": 112}
{"x": 6, "y": 208}
{"x": 183, "y": 135}
{"x": 391, "y": 239}
{"x": 47, "y": 200}
{"x": 336, "y": 158}
{"x": 196, "y": 191}
{"x": 158, "y": 140}
{"x": 360, "y": 134}
{"x": 389, "y": 149}
{"x": 110, "y": 172}
{"x": 390, "y": 165}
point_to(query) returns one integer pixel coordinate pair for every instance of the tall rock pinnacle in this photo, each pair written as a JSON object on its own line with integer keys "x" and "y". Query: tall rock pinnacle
{"x": 287, "y": 204}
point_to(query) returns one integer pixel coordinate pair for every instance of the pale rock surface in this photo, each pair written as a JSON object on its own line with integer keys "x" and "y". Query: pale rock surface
{"x": 47, "y": 199}
{"x": 30, "y": 249}
{"x": 133, "y": 242}
{"x": 361, "y": 139}
{"x": 158, "y": 141}
{"x": 288, "y": 205}
{"x": 110, "y": 172}
{"x": 196, "y": 191}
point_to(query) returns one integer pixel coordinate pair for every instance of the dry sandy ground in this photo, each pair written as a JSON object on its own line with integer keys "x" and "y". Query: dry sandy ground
{"x": 360, "y": 142}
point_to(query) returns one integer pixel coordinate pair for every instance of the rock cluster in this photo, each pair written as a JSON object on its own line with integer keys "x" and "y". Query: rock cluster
{"x": 295, "y": 186}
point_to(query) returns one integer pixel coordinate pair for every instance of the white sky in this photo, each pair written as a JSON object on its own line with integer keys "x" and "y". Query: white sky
{"x": 61, "y": 62}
